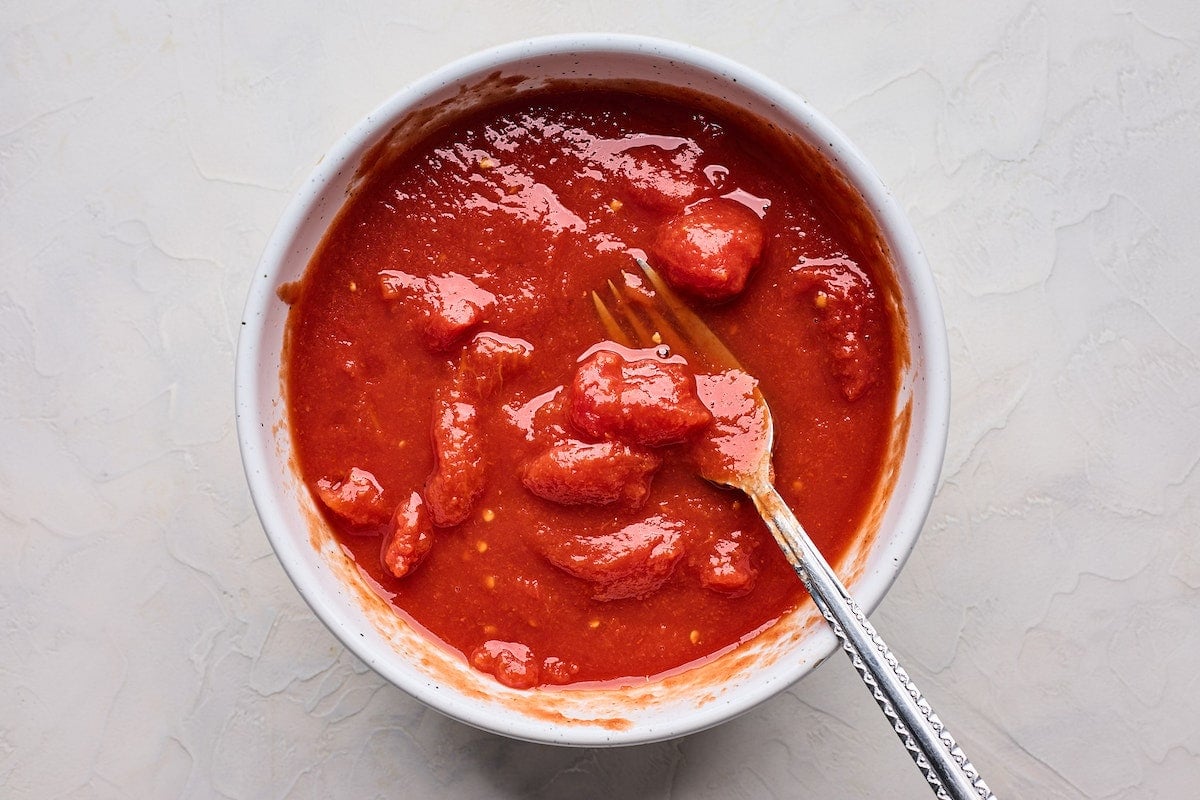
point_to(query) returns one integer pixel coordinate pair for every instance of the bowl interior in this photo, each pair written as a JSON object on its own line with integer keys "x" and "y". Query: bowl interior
{"x": 342, "y": 597}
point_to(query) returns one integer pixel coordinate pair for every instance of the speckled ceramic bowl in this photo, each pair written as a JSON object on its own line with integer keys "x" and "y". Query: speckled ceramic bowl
{"x": 682, "y": 703}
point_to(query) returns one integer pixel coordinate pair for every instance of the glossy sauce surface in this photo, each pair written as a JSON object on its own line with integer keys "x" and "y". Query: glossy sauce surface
{"x": 502, "y": 224}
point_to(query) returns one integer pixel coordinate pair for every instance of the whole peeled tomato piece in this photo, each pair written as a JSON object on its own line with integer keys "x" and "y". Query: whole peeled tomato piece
{"x": 633, "y": 562}
{"x": 660, "y": 173}
{"x": 357, "y": 498}
{"x": 710, "y": 248}
{"x": 643, "y": 401}
{"x": 738, "y": 443}
{"x": 449, "y": 305}
{"x": 408, "y": 539}
{"x": 558, "y": 671}
{"x": 583, "y": 473}
{"x": 459, "y": 469}
{"x": 487, "y": 360}
{"x": 511, "y": 663}
{"x": 848, "y": 312}
{"x": 724, "y": 564}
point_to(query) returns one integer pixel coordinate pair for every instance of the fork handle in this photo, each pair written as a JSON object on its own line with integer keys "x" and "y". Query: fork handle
{"x": 943, "y": 763}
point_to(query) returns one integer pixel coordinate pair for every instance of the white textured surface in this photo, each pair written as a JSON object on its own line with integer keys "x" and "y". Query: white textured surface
{"x": 150, "y": 645}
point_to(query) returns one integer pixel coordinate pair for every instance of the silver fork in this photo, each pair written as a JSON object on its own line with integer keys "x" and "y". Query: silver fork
{"x": 660, "y": 317}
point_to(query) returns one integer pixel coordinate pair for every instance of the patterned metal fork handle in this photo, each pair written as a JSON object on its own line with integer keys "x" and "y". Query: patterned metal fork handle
{"x": 950, "y": 774}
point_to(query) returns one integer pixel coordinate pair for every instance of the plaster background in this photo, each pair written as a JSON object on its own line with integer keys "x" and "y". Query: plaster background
{"x": 151, "y": 646}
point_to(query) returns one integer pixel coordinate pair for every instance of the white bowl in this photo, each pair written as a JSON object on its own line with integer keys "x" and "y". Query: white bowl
{"x": 332, "y": 586}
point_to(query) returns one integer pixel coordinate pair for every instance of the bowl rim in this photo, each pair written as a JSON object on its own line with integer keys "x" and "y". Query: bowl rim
{"x": 919, "y": 290}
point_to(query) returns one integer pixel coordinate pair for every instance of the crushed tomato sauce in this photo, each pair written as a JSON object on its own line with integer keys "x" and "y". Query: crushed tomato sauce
{"x": 445, "y": 418}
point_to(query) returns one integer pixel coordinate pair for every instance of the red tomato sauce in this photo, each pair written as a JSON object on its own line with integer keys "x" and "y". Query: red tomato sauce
{"x": 447, "y": 427}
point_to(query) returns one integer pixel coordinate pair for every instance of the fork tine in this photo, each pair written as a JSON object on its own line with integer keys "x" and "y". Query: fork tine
{"x": 664, "y": 330}
{"x": 610, "y": 323}
{"x": 633, "y": 318}
{"x": 630, "y": 319}
{"x": 685, "y": 322}
{"x": 646, "y": 319}
{"x": 642, "y": 336}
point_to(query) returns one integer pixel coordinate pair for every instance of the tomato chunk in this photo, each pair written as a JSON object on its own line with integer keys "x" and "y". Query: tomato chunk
{"x": 647, "y": 401}
{"x": 511, "y": 663}
{"x": 409, "y": 537}
{"x": 633, "y": 562}
{"x": 579, "y": 473}
{"x": 724, "y": 563}
{"x": 488, "y": 359}
{"x": 656, "y": 172}
{"x": 556, "y": 670}
{"x": 459, "y": 470}
{"x": 845, "y": 306}
{"x": 737, "y": 443}
{"x": 448, "y": 305}
{"x": 710, "y": 249}
{"x": 358, "y": 498}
